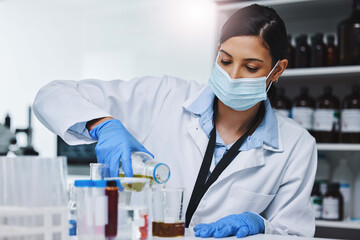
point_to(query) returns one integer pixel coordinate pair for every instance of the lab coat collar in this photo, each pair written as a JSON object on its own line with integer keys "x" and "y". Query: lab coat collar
{"x": 199, "y": 103}
{"x": 266, "y": 135}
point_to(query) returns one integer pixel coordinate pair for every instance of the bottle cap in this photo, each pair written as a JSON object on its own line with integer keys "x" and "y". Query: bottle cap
{"x": 330, "y": 38}
{"x": 83, "y": 183}
{"x": 99, "y": 183}
{"x": 111, "y": 183}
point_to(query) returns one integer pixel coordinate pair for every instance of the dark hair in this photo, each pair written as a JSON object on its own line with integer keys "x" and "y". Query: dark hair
{"x": 262, "y": 21}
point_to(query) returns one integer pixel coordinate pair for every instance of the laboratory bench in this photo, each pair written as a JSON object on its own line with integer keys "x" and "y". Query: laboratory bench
{"x": 189, "y": 235}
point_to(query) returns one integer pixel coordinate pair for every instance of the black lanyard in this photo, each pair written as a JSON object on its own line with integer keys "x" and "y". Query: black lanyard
{"x": 201, "y": 184}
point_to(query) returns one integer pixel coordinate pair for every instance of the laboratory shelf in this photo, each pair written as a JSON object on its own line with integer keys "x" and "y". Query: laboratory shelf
{"x": 338, "y": 147}
{"x": 338, "y": 224}
{"x": 225, "y": 5}
{"x": 237, "y": 5}
{"x": 323, "y": 75}
{"x": 321, "y": 71}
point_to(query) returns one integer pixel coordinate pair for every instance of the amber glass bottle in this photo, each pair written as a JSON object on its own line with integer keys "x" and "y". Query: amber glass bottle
{"x": 349, "y": 37}
{"x": 350, "y": 117}
{"x": 331, "y": 52}
{"x": 333, "y": 206}
{"x": 302, "y": 52}
{"x": 317, "y": 50}
{"x": 316, "y": 200}
{"x": 290, "y": 53}
{"x": 282, "y": 103}
{"x": 303, "y": 109}
{"x": 326, "y": 117}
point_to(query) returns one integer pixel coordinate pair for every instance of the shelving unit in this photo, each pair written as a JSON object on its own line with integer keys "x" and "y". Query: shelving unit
{"x": 321, "y": 71}
{"x": 338, "y": 147}
{"x": 309, "y": 17}
{"x": 338, "y": 224}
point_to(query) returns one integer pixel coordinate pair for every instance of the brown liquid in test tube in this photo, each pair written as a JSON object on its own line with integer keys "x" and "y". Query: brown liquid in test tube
{"x": 112, "y": 192}
{"x": 161, "y": 229}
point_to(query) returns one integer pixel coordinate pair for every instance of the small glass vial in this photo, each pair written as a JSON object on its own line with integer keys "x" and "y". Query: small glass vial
{"x": 333, "y": 203}
{"x": 316, "y": 200}
{"x": 144, "y": 166}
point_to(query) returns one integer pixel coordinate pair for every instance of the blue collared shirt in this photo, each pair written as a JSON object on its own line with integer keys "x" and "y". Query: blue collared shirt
{"x": 265, "y": 133}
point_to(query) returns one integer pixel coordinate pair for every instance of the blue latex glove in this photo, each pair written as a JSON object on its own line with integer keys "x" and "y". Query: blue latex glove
{"x": 241, "y": 225}
{"x": 114, "y": 142}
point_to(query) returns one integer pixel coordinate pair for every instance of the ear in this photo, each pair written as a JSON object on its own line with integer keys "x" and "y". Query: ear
{"x": 280, "y": 68}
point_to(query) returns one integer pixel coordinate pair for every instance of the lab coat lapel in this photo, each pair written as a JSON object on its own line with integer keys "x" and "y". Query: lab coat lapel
{"x": 244, "y": 160}
{"x": 198, "y": 135}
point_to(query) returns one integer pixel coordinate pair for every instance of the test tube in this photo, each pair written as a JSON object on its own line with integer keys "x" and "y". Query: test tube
{"x": 100, "y": 203}
{"x": 84, "y": 213}
{"x": 112, "y": 193}
{"x": 99, "y": 171}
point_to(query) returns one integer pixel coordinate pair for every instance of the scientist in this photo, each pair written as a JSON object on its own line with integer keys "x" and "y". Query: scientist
{"x": 246, "y": 168}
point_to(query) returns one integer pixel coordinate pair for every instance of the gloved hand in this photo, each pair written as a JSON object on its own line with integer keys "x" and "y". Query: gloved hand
{"x": 115, "y": 144}
{"x": 241, "y": 225}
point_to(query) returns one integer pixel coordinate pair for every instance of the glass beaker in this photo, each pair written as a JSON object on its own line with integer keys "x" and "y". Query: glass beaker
{"x": 133, "y": 209}
{"x": 167, "y": 206}
{"x": 99, "y": 171}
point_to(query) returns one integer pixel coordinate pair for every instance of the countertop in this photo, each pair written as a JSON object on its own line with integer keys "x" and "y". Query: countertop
{"x": 189, "y": 235}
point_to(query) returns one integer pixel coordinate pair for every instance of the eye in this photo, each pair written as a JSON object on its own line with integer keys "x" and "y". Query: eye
{"x": 224, "y": 62}
{"x": 252, "y": 69}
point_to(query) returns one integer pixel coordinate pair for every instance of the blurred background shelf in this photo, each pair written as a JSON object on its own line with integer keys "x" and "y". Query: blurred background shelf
{"x": 338, "y": 147}
{"x": 338, "y": 224}
{"x": 324, "y": 74}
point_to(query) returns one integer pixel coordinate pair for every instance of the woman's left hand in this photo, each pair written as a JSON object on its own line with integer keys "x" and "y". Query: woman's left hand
{"x": 241, "y": 225}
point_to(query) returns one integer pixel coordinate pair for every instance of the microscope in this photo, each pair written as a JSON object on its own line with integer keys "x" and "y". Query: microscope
{"x": 8, "y": 138}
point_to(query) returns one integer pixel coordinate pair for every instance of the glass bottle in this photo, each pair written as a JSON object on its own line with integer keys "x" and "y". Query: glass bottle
{"x": 282, "y": 103}
{"x": 7, "y": 121}
{"x": 144, "y": 166}
{"x": 350, "y": 117}
{"x": 333, "y": 203}
{"x": 303, "y": 109}
{"x": 316, "y": 200}
{"x": 302, "y": 52}
{"x": 326, "y": 117}
{"x": 331, "y": 52}
{"x": 349, "y": 37}
{"x": 290, "y": 53}
{"x": 317, "y": 50}
{"x": 72, "y": 207}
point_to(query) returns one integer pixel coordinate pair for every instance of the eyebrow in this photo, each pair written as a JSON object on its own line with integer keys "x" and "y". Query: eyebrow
{"x": 253, "y": 59}
{"x": 226, "y": 53}
{"x": 246, "y": 59}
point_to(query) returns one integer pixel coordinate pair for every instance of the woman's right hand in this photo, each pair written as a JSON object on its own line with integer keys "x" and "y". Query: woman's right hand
{"x": 115, "y": 144}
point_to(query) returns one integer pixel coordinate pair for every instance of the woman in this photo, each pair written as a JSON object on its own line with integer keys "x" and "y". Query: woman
{"x": 246, "y": 169}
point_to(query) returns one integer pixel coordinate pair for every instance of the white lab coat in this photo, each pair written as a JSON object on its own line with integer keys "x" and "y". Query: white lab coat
{"x": 275, "y": 183}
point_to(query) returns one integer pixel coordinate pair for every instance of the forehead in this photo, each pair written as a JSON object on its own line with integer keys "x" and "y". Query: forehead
{"x": 246, "y": 47}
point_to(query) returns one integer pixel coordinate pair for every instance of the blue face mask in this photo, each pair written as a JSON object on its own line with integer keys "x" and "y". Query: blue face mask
{"x": 241, "y": 93}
